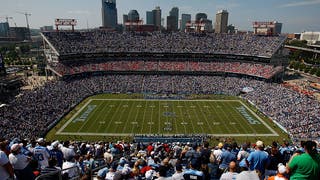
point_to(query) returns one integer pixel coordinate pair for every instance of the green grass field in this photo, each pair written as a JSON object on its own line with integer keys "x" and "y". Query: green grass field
{"x": 125, "y": 115}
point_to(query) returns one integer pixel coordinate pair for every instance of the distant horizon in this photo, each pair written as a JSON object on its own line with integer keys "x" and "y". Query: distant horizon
{"x": 291, "y": 13}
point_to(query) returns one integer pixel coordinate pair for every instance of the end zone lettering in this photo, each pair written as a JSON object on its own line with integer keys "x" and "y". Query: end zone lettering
{"x": 246, "y": 115}
{"x": 85, "y": 115}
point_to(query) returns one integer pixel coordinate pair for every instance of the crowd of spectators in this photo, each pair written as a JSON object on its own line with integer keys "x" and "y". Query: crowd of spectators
{"x": 26, "y": 159}
{"x": 33, "y": 111}
{"x": 100, "y": 41}
{"x": 257, "y": 70}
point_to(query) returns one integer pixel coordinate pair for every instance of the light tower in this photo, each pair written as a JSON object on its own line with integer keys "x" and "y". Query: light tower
{"x": 26, "y": 14}
{"x": 28, "y": 27}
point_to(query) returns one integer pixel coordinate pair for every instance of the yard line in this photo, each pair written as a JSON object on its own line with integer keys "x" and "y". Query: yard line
{"x": 205, "y": 117}
{"x": 150, "y": 116}
{"x": 102, "y": 113}
{"x": 196, "y": 115}
{"x": 230, "y": 128}
{"x": 143, "y": 119}
{"x": 87, "y": 119}
{"x": 221, "y": 120}
{"x": 115, "y": 112}
{"x": 132, "y": 106}
{"x": 193, "y": 130}
{"x": 159, "y": 128}
{"x": 180, "y": 115}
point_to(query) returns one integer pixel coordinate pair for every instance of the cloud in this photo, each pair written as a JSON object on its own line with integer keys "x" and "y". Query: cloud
{"x": 300, "y": 3}
{"x": 85, "y": 12}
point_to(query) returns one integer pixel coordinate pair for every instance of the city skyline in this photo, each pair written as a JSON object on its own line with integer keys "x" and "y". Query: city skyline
{"x": 292, "y": 13}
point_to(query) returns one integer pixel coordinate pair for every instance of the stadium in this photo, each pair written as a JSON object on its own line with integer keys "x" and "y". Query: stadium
{"x": 158, "y": 79}
{"x": 160, "y": 87}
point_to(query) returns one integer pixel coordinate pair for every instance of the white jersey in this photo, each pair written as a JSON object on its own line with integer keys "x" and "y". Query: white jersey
{"x": 42, "y": 155}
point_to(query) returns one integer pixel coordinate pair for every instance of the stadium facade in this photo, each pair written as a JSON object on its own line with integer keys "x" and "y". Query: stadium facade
{"x": 63, "y": 60}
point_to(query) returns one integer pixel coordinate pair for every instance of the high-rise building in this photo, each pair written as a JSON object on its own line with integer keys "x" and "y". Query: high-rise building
{"x": 277, "y": 28}
{"x": 184, "y": 19}
{"x": 157, "y": 17}
{"x": 133, "y": 15}
{"x": 173, "y": 19}
{"x": 150, "y": 18}
{"x": 125, "y": 18}
{"x": 4, "y": 29}
{"x": 109, "y": 14}
{"x": 221, "y": 25}
{"x": 200, "y": 16}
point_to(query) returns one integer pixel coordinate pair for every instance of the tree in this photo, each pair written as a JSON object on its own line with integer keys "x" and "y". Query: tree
{"x": 313, "y": 70}
{"x": 307, "y": 69}
{"x": 302, "y": 66}
{"x": 318, "y": 72}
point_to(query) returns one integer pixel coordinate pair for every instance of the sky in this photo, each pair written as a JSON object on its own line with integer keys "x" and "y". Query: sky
{"x": 296, "y": 15}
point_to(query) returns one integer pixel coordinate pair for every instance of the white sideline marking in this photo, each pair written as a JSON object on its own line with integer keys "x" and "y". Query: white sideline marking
{"x": 59, "y": 132}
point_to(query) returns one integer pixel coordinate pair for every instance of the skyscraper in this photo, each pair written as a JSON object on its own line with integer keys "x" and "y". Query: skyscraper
{"x": 200, "y": 16}
{"x": 125, "y": 18}
{"x": 109, "y": 13}
{"x": 4, "y": 29}
{"x": 150, "y": 18}
{"x": 157, "y": 17}
{"x": 221, "y": 25}
{"x": 133, "y": 15}
{"x": 173, "y": 19}
{"x": 184, "y": 19}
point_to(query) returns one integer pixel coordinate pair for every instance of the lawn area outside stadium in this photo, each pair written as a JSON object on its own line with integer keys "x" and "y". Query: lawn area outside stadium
{"x": 123, "y": 115}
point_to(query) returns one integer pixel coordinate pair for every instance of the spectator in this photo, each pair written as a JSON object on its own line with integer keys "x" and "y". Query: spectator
{"x": 281, "y": 173}
{"x": 41, "y": 154}
{"x": 20, "y": 163}
{"x": 6, "y": 170}
{"x": 231, "y": 173}
{"x": 306, "y": 165}
{"x": 258, "y": 159}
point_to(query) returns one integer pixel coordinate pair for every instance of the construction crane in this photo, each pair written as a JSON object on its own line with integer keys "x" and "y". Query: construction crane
{"x": 26, "y": 14}
{"x": 7, "y": 18}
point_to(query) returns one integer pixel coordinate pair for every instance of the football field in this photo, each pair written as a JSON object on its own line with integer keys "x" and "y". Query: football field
{"x": 128, "y": 117}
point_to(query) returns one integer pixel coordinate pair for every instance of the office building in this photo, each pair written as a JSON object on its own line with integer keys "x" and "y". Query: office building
{"x": 4, "y": 29}
{"x": 150, "y": 18}
{"x": 200, "y": 16}
{"x": 133, "y": 16}
{"x": 125, "y": 18}
{"x": 109, "y": 14}
{"x": 157, "y": 17}
{"x": 221, "y": 25}
{"x": 184, "y": 19}
{"x": 173, "y": 19}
